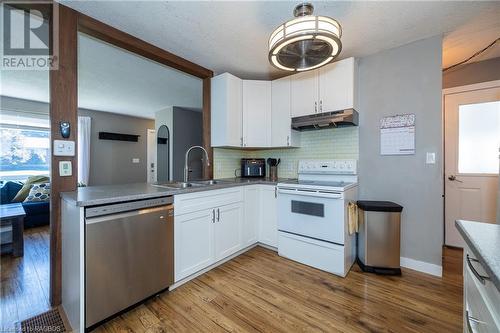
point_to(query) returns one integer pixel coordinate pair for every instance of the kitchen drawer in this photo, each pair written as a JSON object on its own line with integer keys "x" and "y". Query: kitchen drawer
{"x": 326, "y": 256}
{"x": 486, "y": 287}
{"x": 192, "y": 202}
{"x": 479, "y": 316}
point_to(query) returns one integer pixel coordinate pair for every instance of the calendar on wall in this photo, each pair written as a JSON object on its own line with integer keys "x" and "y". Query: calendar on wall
{"x": 397, "y": 135}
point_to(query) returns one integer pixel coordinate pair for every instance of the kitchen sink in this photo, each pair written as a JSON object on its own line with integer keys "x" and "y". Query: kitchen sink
{"x": 181, "y": 185}
{"x": 207, "y": 182}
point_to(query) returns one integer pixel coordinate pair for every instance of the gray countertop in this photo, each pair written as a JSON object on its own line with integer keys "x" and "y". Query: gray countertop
{"x": 100, "y": 195}
{"x": 484, "y": 241}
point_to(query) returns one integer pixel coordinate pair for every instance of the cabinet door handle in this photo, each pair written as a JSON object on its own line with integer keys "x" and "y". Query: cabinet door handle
{"x": 480, "y": 277}
{"x": 213, "y": 215}
{"x": 218, "y": 214}
{"x": 275, "y": 191}
{"x": 288, "y": 140}
{"x": 315, "y": 107}
{"x": 321, "y": 105}
{"x": 470, "y": 319}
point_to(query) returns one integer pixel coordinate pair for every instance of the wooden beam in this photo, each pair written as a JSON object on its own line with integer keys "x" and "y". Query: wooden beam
{"x": 63, "y": 107}
{"x": 208, "y": 171}
{"x": 133, "y": 44}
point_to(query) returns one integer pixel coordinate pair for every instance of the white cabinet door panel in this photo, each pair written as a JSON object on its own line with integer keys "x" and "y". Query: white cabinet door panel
{"x": 304, "y": 93}
{"x": 256, "y": 113}
{"x": 268, "y": 231}
{"x": 337, "y": 86}
{"x": 282, "y": 134}
{"x": 252, "y": 215}
{"x": 193, "y": 243}
{"x": 227, "y": 231}
{"x": 226, "y": 111}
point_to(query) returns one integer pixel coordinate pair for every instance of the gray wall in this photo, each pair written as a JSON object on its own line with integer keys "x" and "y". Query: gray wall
{"x": 111, "y": 161}
{"x": 406, "y": 79}
{"x": 482, "y": 71}
{"x": 188, "y": 129}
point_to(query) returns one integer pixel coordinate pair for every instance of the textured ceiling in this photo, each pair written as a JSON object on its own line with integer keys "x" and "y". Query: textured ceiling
{"x": 113, "y": 80}
{"x": 232, "y": 36}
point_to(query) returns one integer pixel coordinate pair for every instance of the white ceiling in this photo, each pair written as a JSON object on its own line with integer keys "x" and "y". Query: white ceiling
{"x": 113, "y": 80}
{"x": 232, "y": 36}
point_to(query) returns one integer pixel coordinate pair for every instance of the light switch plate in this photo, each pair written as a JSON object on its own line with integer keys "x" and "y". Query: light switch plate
{"x": 65, "y": 168}
{"x": 64, "y": 148}
{"x": 430, "y": 158}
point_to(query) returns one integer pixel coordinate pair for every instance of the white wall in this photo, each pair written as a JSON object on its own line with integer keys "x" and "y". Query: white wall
{"x": 406, "y": 79}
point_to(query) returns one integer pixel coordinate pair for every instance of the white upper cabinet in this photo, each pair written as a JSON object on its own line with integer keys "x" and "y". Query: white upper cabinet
{"x": 282, "y": 134}
{"x": 329, "y": 88}
{"x": 338, "y": 86}
{"x": 304, "y": 90}
{"x": 256, "y": 113}
{"x": 226, "y": 111}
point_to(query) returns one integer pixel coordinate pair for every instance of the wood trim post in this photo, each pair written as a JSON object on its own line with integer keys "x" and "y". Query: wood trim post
{"x": 208, "y": 171}
{"x": 63, "y": 107}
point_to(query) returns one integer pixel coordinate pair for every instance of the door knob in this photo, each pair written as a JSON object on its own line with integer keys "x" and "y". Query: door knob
{"x": 454, "y": 178}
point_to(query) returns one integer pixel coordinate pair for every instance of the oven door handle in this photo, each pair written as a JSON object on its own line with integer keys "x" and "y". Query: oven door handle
{"x": 311, "y": 193}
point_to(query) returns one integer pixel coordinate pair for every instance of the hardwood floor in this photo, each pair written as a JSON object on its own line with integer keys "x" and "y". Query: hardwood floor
{"x": 262, "y": 292}
{"x": 259, "y": 292}
{"x": 24, "y": 281}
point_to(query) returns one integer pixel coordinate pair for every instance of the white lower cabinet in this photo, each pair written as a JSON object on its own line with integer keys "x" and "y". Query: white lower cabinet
{"x": 193, "y": 243}
{"x": 252, "y": 215}
{"x": 481, "y": 298}
{"x": 268, "y": 222}
{"x": 227, "y": 230}
{"x": 238, "y": 218}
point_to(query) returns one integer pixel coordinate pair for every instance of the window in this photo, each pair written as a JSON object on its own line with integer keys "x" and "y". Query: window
{"x": 25, "y": 148}
{"x": 479, "y": 138}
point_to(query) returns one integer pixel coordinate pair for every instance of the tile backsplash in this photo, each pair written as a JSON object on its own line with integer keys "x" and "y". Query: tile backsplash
{"x": 334, "y": 143}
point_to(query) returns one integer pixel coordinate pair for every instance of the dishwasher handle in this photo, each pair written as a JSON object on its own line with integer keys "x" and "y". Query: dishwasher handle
{"x": 169, "y": 210}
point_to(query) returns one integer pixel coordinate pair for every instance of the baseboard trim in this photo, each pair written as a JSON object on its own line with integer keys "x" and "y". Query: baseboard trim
{"x": 422, "y": 266}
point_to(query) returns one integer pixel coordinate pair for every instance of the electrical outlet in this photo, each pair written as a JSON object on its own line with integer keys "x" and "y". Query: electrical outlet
{"x": 136, "y": 160}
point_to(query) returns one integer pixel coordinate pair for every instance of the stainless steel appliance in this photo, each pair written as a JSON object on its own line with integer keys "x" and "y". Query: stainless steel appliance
{"x": 312, "y": 215}
{"x": 379, "y": 237}
{"x": 129, "y": 255}
{"x": 253, "y": 167}
{"x": 315, "y": 121}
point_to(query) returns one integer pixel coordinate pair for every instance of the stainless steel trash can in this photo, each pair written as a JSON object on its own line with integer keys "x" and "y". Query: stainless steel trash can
{"x": 378, "y": 241}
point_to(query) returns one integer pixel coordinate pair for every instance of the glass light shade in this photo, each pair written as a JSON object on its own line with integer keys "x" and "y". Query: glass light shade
{"x": 305, "y": 43}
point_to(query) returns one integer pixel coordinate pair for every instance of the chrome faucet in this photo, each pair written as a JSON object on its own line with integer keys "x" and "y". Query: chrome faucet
{"x": 186, "y": 166}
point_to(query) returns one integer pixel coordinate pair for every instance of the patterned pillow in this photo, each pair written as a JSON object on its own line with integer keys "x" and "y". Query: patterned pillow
{"x": 39, "y": 192}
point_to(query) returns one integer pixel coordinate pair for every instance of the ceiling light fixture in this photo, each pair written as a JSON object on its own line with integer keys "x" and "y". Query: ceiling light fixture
{"x": 306, "y": 42}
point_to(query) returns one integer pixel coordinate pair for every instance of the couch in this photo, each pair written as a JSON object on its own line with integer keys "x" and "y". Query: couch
{"x": 37, "y": 212}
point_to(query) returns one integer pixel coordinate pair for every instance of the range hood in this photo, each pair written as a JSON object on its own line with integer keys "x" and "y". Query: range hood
{"x": 342, "y": 118}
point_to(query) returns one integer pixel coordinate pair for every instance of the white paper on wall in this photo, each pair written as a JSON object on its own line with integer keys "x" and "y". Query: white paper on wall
{"x": 397, "y": 135}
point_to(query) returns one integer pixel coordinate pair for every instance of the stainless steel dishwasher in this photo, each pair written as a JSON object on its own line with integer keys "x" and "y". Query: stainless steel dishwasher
{"x": 129, "y": 255}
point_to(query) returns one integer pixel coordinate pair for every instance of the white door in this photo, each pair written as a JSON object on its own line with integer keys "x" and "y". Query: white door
{"x": 252, "y": 215}
{"x": 268, "y": 231}
{"x": 337, "y": 86}
{"x": 228, "y": 224}
{"x": 304, "y": 90}
{"x": 194, "y": 242}
{"x": 472, "y": 138}
{"x": 256, "y": 113}
{"x": 151, "y": 156}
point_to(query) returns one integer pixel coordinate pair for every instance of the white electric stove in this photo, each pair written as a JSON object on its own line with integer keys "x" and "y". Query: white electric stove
{"x": 313, "y": 215}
